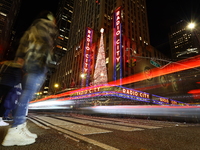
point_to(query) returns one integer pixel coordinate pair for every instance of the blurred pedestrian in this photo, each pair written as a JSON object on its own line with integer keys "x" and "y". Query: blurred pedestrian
{"x": 10, "y": 75}
{"x": 36, "y": 48}
{"x": 11, "y": 101}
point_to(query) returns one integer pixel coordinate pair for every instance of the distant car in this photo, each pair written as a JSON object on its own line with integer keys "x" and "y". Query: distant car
{"x": 188, "y": 51}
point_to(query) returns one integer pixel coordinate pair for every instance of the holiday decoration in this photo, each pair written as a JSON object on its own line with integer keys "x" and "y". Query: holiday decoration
{"x": 100, "y": 73}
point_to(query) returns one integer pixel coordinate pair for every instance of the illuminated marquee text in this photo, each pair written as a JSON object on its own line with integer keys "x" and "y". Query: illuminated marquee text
{"x": 88, "y": 91}
{"x": 135, "y": 93}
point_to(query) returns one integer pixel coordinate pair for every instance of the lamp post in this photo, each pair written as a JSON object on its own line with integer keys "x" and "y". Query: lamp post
{"x": 133, "y": 51}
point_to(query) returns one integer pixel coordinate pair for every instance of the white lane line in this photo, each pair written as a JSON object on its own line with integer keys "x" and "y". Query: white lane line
{"x": 110, "y": 126}
{"x": 122, "y": 123}
{"x": 91, "y": 141}
{"x": 81, "y": 129}
{"x": 76, "y": 140}
{"x": 38, "y": 124}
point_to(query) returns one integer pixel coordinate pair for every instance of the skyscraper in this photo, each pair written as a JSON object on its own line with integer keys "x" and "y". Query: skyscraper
{"x": 64, "y": 18}
{"x": 126, "y": 35}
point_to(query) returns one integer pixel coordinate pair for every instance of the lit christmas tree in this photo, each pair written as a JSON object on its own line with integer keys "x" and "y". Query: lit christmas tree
{"x": 100, "y": 72}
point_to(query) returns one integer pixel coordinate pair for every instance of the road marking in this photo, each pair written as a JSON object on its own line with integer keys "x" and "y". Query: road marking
{"x": 75, "y": 135}
{"x": 93, "y": 123}
{"x": 81, "y": 129}
{"x": 122, "y": 123}
{"x": 39, "y": 124}
{"x": 71, "y": 138}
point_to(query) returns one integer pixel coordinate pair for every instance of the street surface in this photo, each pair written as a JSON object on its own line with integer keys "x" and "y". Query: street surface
{"x": 67, "y": 131}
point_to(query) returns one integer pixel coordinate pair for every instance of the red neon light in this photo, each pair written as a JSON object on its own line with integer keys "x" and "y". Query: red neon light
{"x": 87, "y": 50}
{"x": 117, "y": 34}
{"x": 196, "y": 91}
{"x": 190, "y": 63}
{"x": 173, "y": 67}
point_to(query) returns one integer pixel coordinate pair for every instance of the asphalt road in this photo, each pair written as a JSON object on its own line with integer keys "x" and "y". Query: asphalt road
{"x": 62, "y": 131}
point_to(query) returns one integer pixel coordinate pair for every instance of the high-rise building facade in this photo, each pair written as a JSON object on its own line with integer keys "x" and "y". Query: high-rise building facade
{"x": 184, "y": 41}
{"x": 8, "y": 14}
{"x": 63, "y": 21}
{"x": 126, "y": 36}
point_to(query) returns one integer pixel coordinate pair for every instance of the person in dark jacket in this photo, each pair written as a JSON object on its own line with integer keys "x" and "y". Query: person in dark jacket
{"x": 11, "y": 101}
{"x": 10, "y": 75}
{"x": 36, "y": 48}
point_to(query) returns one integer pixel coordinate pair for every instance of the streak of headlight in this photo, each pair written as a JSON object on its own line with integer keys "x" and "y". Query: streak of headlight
{"x": 196, "y": 91}
{"x": 50, "y": 103}
{"x": 176, "y": 111}
{"x": 185, "y": 64}
{"x": 190, "y": 63}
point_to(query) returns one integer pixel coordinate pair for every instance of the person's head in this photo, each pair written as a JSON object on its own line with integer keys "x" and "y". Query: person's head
{"x": 47, "y": 15}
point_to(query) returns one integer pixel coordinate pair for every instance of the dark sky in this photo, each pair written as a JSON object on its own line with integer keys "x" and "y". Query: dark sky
{"x": 161, "y": 15}
{"x": 29, "y": 11}
{"x": 164, "y": 13}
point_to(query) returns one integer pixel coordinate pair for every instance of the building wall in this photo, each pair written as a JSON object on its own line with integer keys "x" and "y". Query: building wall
{"x": 96, "y": 15}
{"x": 8, "y": 13}
{"x": 62, "y": 69}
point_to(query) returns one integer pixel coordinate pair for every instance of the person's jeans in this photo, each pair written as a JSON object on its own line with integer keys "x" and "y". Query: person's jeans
{"x": 31, "y": 83}
{"x": 6, "y": 113}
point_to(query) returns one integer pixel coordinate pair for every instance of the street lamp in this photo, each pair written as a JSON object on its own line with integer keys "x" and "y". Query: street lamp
{"x": 82, "y": 75}
{"x": 191, "y": 25}
{"x": 56, "y": 85}
{"x": 133, "y": 51}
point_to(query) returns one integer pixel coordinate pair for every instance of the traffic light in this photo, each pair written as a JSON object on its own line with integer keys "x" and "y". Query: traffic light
{"x": 132, "y": 62}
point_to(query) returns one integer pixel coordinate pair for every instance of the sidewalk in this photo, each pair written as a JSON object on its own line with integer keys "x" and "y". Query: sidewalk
{"x": 48, "y": 139}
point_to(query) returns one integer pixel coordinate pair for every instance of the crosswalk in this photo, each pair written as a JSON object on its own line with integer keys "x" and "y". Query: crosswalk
{"x": 78, "y": 127}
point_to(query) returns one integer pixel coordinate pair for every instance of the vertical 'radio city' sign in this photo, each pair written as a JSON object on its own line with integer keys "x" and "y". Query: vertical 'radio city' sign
{"x": 117, "y": 44}
{"x": 86, "y": 63}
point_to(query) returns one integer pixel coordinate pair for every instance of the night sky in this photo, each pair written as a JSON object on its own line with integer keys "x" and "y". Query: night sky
{"x": 161, "y": 15}
{"x": 29, "y": 11}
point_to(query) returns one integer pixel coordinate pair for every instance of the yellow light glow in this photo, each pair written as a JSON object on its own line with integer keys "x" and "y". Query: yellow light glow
{"x": 82, "y": 75}
{"x": 56, "y": 85}
{"x": 191, "y": 25}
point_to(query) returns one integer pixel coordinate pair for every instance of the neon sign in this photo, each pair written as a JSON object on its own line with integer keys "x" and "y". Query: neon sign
{"x": 117, "y": 33}
{"x": 86, "y": 64}
{"x": 117, "y": 42}
{"x": 88, "y": 91}
{"x": 135, "y": 93}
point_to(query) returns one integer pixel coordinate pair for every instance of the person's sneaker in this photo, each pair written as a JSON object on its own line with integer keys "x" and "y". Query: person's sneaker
{"x": 7, "y": 119}
{"x": 25, "y": 129}
{"x": 2, "y": 123}
{"x": 17, "y": 136}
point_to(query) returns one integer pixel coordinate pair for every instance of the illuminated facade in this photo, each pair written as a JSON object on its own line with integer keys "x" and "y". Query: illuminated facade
{"x": 8, "y": 13}
{"x": 125, "y": 35}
